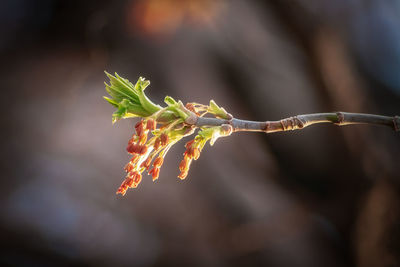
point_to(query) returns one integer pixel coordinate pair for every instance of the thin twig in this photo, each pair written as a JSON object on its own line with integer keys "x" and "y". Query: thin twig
{"x": 302, "y": 121}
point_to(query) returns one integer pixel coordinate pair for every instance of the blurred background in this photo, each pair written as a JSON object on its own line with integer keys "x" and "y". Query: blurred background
{"x": 323, "y": 196}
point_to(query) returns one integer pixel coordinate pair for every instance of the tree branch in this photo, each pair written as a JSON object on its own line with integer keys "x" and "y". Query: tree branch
{"x": 302, "y": 121}
{"x": 131, "y": 101}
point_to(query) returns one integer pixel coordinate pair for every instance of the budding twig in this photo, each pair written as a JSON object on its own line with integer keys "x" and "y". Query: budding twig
{"x": 150, "y": 143}
{"x": 302, "y": 121}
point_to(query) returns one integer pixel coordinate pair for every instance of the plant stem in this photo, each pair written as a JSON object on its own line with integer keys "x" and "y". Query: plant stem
{"x": 302, "y": 121}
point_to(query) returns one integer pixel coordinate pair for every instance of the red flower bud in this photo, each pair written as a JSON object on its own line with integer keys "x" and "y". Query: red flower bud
{"x": 151, "y": 125}
{"x": 196, "y": 153}
{"x": 164, "y": 139}
{"x": 139, "y": 128}
{"x": 142, "y": 150}
{"x": 137, "y": 178}
{"x": 122, "y": 189}
{"x": 158, "y": 162}
{"x": 139, "y": 124}
{"x": 192, "y": 108}
{"x": 129, "y": 182}
{"x": 132, "y": 140}
{"x": 134, "y": 159}
{"x": 190, "y": 152}
{"x": 132, "y": 148}
{"x": 184, "y": 163}
{"x": 154, "y": 172}
{"x": 157, "y": 143}
{"x": 131, "y": 174}
{"x": 188, "y": 144}
{"x": 128, "y": 167}
{"x": 183, "y": 175}
{"x": 146, "y": 163}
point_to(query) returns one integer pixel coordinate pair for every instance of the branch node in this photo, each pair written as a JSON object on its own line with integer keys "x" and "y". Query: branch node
{"x": 227, "y": 129}
{"x": 340, "y": 118}
{"x": 291, "y": 123}
{"x": 396, "y": 123}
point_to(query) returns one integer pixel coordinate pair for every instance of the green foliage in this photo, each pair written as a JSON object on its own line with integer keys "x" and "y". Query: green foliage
{"x": 130, "y": 100}
{"x": 218, "y": 111}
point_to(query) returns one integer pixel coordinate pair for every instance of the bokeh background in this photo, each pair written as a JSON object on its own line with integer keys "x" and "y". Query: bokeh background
{"x": 323, "y": 196}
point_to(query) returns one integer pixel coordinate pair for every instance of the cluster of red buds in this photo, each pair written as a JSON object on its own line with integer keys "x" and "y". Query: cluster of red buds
{"x": 149, "y": 154}
{"x": 143, "y": 152}
{"x": 178, "y": 120}
{"x": 192, "y": 152}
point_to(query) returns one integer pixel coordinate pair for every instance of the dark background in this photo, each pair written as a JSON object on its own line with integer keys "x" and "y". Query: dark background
{"x": 323, "y": 196}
